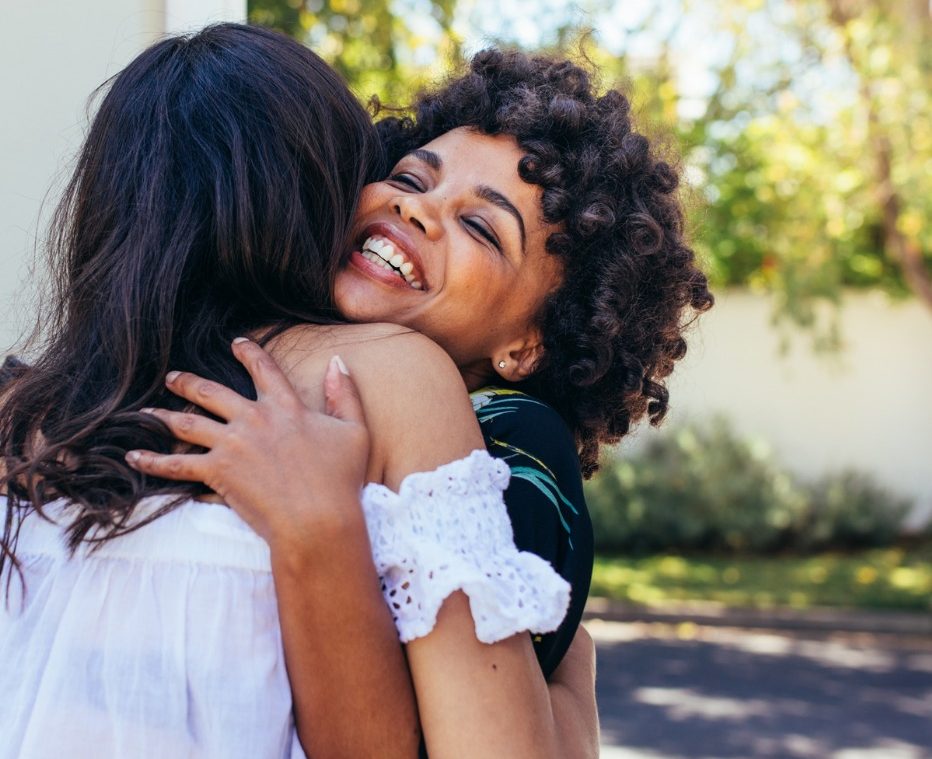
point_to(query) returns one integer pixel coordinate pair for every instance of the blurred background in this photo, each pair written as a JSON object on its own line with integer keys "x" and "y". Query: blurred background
{"x": 764, "y": 578}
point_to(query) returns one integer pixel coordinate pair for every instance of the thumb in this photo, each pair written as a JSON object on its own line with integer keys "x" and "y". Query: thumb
{"x": 341, "y": 393}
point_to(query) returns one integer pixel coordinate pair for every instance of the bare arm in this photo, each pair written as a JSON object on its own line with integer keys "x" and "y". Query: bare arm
{"x": 482, "y": 700}
{"x": 330, "y": 616}
{"x": 352, "y": 692}
{"x": 572, "y": 698}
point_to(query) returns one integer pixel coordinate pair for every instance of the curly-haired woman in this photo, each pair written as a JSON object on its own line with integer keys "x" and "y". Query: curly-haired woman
{"x": 539, "y": 241}
{"x": 213, "y": 197}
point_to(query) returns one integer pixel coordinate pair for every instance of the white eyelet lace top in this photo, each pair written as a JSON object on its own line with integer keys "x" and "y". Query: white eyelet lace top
{"x": 165, "y": 642}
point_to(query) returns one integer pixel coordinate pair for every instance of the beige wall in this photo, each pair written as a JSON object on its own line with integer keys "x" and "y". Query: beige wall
{"x": 869, "y": 407}
{"x": 52, "y": 56}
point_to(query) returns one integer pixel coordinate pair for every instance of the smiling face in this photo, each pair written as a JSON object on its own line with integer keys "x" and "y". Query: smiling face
{"x": 452, "y": 245}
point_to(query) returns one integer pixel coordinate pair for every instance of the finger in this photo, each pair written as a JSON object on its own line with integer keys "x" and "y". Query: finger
{"x": 267, "y": 376}
{"x": 341, "y": 393}
{"x": 209, "y": 395}
{"x": 191, "y": 428}
{"x": 186, "y": 467}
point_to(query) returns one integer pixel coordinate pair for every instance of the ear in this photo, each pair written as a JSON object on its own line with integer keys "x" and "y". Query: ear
{"x": 518, "y": 359}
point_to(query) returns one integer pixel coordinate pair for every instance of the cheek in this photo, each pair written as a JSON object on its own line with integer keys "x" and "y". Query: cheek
{"x": 543, "y": 276}
{"x": 525, "y": 295}
{"x": 367, "y": 197}
{"x": 480, "y": 275}
{"x": 371, "y": 199}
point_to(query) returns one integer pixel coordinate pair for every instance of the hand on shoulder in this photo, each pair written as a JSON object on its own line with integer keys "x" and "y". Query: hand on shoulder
{"x": 288, "y": 470}
{"x": 404, "y": 409}
{"x": 416, "y": 404}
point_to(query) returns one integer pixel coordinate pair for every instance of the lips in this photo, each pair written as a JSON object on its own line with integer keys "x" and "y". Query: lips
{"x": 380, "y": 250}
{"x": 385, "y": 253}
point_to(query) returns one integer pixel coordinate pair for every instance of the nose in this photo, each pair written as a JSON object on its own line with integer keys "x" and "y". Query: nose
{"x": 420, "y": 212}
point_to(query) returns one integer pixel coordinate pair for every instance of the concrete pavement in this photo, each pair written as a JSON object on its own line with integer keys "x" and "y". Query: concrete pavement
{"x": 672, "y": 691}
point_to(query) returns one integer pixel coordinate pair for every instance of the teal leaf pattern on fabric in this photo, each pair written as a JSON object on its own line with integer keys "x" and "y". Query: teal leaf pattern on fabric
{"x": 492, "y": 402}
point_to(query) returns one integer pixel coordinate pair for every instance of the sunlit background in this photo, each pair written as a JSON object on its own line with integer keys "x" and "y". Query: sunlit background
{"x": 795, "y": 470}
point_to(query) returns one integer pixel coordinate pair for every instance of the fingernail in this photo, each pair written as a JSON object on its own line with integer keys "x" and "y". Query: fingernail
{"x": 171, "y": 377}
{"x": 238, "y": 340}
{"x": 146, "y": 410}
{"x": 133, "y": 457}
{"x": 340, "y": 365}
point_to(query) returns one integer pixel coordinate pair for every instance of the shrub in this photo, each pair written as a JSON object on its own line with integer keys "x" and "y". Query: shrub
{"x": 706, "y": 489}
{"x": 849, "y": 510}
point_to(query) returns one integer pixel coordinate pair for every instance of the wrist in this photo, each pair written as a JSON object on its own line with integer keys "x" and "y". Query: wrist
{"x": 329, "y": 535}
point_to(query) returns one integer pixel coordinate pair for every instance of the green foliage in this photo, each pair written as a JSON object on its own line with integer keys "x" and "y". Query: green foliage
{"x": 851, "y": 510}
{"x": 885, "y": 578}
{"x": 372, "y": 43}
{"x": 809, "y": 153}
{"x": 814, "y": 164}
{"x": 705, "y": 489}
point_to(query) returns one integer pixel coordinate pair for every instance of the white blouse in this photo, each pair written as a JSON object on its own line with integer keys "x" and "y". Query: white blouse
{"x": 165, "y": 643}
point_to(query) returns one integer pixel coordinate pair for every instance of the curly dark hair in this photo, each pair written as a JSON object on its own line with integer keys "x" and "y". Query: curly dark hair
{"x": 614, "y": 328}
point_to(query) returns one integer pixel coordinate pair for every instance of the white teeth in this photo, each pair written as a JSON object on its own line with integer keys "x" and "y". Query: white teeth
{"x": 386, "y": 251}
{"x": 381, "y": 252}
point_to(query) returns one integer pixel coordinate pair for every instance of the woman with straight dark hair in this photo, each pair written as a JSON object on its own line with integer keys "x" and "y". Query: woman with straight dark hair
{"x": 213, "y": 198}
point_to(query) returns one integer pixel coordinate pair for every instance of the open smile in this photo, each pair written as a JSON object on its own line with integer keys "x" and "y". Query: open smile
{"x": 386, "y": 256}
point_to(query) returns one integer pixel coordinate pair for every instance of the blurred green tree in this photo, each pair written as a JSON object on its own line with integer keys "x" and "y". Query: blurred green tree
{"x": 381, "y": 47}
{"x": 816, "y": 160}
{"x": 810, "y": 153}
{"x": 888, "y": 44}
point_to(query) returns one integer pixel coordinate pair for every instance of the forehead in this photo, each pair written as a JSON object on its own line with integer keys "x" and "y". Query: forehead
{"x": 484, "y": 145}
{"x": 472, "y": 158}
{"x": 467, "y": 153}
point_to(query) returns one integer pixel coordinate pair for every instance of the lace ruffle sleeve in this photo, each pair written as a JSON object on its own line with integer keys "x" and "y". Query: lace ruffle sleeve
{"x": 448, "y": 530}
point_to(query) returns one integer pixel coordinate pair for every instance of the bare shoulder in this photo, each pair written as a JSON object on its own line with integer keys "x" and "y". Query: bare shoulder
{"x": 409, "y": 357}
{"x": 384, "y": 351}
{"x": 417, "y": 406}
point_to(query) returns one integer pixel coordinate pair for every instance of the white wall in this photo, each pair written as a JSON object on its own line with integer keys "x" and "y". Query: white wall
{"x": 187, "y": 15}
{"x": 52, "y": 56}
{"x": 869, "y": 407}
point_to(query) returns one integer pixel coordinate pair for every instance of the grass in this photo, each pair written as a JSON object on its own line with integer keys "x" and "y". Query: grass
{"x": 889, "y": 578}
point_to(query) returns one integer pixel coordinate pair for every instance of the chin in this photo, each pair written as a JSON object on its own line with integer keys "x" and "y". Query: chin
{"x": 356, "y": 304}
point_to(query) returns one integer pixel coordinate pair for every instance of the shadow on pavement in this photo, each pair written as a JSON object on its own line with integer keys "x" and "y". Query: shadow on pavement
{"x": 701, "y": 692}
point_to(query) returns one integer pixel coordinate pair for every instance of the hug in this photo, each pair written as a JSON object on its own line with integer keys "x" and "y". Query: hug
{"x": 298, "y": 468}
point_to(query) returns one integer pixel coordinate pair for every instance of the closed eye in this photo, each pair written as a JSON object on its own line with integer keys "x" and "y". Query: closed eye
{"x": 409, "y": 180}
{"x": 484, "y": 232}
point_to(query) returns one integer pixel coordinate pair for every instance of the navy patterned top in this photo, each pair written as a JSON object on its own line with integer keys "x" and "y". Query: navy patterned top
{"x": 544, "y": 498}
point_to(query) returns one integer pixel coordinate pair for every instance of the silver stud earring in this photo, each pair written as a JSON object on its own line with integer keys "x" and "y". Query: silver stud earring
{"x": 502, "y": 364}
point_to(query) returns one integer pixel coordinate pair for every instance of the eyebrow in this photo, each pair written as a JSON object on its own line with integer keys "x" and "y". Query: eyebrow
{"x": 500, "y": 201}
{"x": 483, "y": 192}
{"x": 429, "y": 157}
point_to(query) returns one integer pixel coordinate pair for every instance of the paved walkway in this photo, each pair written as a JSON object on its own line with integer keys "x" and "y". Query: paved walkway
{"x": 697, "y": 692}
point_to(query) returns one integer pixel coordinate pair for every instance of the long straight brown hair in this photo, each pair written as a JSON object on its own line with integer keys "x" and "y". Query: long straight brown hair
{"x": 213, "y": 197}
